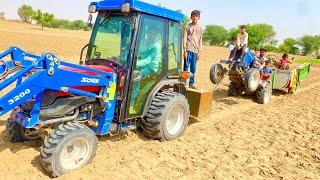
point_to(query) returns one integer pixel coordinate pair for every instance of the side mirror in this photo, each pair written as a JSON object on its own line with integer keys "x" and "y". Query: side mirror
{"x": 89, "y": 22}
{"x": 136, "y": 76}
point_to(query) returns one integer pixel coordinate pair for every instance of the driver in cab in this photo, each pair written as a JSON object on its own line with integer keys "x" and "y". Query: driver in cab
{"x": 149, "y": 58}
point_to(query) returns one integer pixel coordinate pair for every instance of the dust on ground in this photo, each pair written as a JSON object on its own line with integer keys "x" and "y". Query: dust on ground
{"x": 239, "y": 140}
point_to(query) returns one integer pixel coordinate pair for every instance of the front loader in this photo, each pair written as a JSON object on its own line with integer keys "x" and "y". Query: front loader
{"x": 130, "y": 78}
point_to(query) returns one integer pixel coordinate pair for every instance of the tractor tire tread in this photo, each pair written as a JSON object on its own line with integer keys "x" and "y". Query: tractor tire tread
{"x": 52, "y": 141}
{"x": 151, "y": 124}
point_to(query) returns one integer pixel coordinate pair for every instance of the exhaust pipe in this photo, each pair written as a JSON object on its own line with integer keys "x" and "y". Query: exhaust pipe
{"x": 64, "y": 119}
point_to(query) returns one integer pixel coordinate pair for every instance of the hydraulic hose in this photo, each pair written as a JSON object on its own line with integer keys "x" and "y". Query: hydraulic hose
{"x": 8, "y": 71}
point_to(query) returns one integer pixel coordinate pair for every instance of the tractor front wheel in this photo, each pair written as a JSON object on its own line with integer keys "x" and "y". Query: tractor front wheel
{"x": 68, "y": 147}
{"x": 252, "y": 80}
{"x": 234, "y": 89}
{"x": 17, "y": 133}
{"x": 167, "y": 117}
{"x": 263, "y": 94}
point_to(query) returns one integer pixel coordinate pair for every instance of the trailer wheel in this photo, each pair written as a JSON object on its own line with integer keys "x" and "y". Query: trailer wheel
{"x": 234, "y": 89}
{"x": 167, "y": 117}
{"x": 252, "y": 80}
{"x": 17, "y": 133}
{"x": 216, "y": 73}
{"x": 263, "y": 95}
{"x": 68, "y": 147}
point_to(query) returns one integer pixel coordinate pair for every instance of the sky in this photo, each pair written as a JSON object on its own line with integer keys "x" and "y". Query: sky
{"x": 290, "y": 18}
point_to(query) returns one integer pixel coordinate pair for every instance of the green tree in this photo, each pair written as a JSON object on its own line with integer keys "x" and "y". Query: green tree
{"x": 60, "y": 23}
{"x": 43, "y": 19}
{"x": 186, "y": 19}
{"x": 288, "y": 46}
{"x": 271, "y": 48}
{"x": 311, "y": 44}
{"x": 77, "y": 25}
{"x": 215, "y": 35}
{"x": 185, "y": 22}
{"x": 25, "y": 12}
{"x": 259, "y": 34}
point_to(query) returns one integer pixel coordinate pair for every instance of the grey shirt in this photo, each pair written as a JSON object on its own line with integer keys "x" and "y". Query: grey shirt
{"x": 193, "y": 38}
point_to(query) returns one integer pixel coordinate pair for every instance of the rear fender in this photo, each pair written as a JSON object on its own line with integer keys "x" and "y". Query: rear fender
{"x": 155, "y": 90}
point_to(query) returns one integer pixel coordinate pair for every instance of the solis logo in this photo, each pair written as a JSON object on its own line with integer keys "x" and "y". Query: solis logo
{"x": 90, "y": 80}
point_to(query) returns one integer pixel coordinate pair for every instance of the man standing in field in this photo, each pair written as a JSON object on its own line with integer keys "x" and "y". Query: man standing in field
{"x": 192, "y": 45}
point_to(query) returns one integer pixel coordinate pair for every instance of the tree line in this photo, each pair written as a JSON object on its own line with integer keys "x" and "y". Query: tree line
{"x": 260, "y": 35}
{"x": 263, "y": 36}
{"x": 27, "y": 14}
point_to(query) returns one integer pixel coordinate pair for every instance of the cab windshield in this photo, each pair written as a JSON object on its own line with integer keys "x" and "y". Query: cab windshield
{"x": 111, "y": 38}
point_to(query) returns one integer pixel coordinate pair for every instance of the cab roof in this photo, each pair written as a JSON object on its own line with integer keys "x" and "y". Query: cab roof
{"x": 136, "y": 5}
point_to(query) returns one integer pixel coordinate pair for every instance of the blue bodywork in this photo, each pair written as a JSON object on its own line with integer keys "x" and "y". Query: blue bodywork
{"x": 114, "y": 5}
{"x": 248, "y": 59}
{"x": 39, "y": 73}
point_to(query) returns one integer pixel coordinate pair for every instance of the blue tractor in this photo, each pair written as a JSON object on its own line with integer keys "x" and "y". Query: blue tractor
{"x": 130, "y": 78}
{"x": 244, "y": 76}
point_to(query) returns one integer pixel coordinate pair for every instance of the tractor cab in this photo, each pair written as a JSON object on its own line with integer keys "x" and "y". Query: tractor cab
{"x": 142, "y": 44}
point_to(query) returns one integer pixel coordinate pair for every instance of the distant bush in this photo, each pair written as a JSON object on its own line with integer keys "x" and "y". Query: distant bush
{"x": 2, "y": 15}
{"x": 72, "y": 25}
{"x": 27, "y": 14}
{"x": 271, "y": 48}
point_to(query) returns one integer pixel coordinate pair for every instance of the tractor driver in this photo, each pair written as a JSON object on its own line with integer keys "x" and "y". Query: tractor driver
{"x": 149, "y": 52}
{"x": 149, "y": 58}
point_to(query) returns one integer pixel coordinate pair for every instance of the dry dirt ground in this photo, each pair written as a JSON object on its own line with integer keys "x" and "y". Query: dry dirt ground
{"x": 239, "y": 140}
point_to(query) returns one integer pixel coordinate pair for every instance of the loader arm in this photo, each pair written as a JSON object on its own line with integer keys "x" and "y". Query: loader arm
{"x": 39, "y": 73}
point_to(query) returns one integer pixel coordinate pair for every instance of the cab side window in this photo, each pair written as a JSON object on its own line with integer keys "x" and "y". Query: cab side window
{"x": 174, "y": 49}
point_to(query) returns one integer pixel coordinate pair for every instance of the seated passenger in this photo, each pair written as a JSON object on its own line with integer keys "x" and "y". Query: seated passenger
{"x": 262, "y": 58}
{"x": 242, "y": 43}
{"x": 284, "y": 62}
{"x": 265, "y": 73}
{"x": 256, "y": 52}
{"x": 232, "y": 47}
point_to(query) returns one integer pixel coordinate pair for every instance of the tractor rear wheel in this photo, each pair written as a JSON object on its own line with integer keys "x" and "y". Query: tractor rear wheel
{"x": 167, "y": 117}
{"x": 68, "y": 147}
{"x": 252, "y": 80}
{"x": 17, "y": 133}
{"x": 217, "y": 72}
{"x": 263, "y": 95}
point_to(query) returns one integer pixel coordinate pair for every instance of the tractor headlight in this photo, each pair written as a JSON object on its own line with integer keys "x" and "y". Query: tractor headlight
{"x": 92, "y": 9}
{"x": 125, "y": 8}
